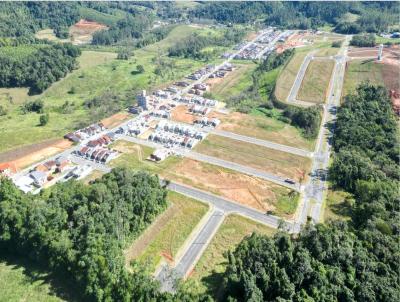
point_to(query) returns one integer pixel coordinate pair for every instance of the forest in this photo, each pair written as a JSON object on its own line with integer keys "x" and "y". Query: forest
{"x": 363, "y": 40}
{"x": 372, "y": 16}
{"x": 193, "y": 46}
{"x": 339, "y": 261}
{"x": 79, "y": 231}
{"x": 39, "y": 69}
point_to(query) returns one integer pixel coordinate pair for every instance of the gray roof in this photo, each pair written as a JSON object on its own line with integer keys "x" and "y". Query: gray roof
{"x": 38, "y": 176}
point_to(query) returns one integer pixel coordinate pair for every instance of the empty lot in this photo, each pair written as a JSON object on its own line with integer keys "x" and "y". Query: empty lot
{"x": 279, "y": 163}
{"x": 315, "y": 84}
{"x": 263, "y": 127}
{"x": 251, "y": 191}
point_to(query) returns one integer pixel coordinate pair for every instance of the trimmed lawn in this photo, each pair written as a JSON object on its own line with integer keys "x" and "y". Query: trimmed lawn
{"x": 168, "y": 238}
{"x": 212, "y": 264}
{"x": 315, "y": 84}
{"x": 18, "y": 283}
{"x": 258, "y": 157}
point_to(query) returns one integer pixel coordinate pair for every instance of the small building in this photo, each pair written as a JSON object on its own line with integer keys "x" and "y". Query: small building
{"x": 39, "y": 178}
{"x": 7, "y": 169}
{"x": 160, "y": 155}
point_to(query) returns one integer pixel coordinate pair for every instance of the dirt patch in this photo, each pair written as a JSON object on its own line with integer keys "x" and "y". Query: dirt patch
{"x": 391, "y": 76}
{"x": 251, "y": 36}
{"x": 115, "y": 119}
{"x": 82, "y": 32}
{"x": 181, "y": 114}
{"x": 136, "y": 249}
{"x": 247, "y": 190}
{"x": 295, "y": 40}
{"x": 27, "y": 155}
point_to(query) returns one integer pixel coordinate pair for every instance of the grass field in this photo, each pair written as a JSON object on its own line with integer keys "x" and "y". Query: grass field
{"x": 336, "y": 207}
{"x": 98, "y": 72}
{"x": 276, "y": 162}
{"x": 212, "y": 264}
{"x": 316, "y": 81}
{"x": 165, "y": 240}
{"x": 358, "y": 71}
{"x": 287, "y": 76}
{"x": 234, "y": 83}
{"x": 241, "y": 188}
{"x": 262, "y": 127}
{"x": 20, "y": 284}
{"x": 326, "y": 52}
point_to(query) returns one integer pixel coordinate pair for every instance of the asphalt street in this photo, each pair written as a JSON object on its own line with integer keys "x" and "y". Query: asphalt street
{"x": 312, "y": 199}
{"x": 168, "y": 275}
{"x": 299, "y": 78}
{"x": 263, "y": 143}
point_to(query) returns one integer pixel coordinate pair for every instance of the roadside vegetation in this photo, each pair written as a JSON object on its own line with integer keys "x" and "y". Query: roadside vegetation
{"x": 168, "y": 235}
{"x": 212, "y": 264}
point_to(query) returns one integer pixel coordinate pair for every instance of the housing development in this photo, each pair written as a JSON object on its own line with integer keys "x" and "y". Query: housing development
{"x": 184, "y": 151}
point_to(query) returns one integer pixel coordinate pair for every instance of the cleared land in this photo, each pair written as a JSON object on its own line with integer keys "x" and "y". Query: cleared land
{"x": 276, "y": 162}
{"x": 263, "y": 127}
{"x": 18, "y": 283}
{"x": 164, "y": 238}
{"x": 244, "y": 189}
{"x": 212, "y": 264}
{"x": 181, "y": 114}
{"x": 316, "y": 81}
{"x": 236, "y": 82}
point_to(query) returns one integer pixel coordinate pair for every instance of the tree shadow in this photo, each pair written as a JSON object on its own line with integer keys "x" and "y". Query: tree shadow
{"x": 342, "y": 209}
{"x": 59, "y": 284}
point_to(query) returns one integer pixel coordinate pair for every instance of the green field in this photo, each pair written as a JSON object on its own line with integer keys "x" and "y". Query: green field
{"x": 99, "y": 72}
{"x": 359, "y": 71}
{"x": 316, "y": 80}
{"x": 337, "y": 205}
{"x": 169, "y": 235}
{"x": 18, "y": 283}
{"x": 287, "y": 76}
{"x": 212, "y": 264}
{"x": 19, "y": 52}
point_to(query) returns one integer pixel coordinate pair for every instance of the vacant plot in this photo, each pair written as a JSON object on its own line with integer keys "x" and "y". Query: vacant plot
{"x": 181, "y": 114}
{"x": 244, "y": 189}
{"x": 164, "y": 238}
{"x": 212, "y": 264}
{"x": 82, "y": 32}
{"x": 234, "y": 83}
{"x": 19, "y": 284}
{"x": 314, "y": 87}
{"x": 48, "y": 34}
{"x": 263, "y": 127}
{"x": 359, "y": 71}
{"x": 116, "y": 119}
{"x": 326, "y": 52}
{"x": 276, "y": 162}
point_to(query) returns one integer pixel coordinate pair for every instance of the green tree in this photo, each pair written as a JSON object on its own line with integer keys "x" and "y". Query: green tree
{"x": 44, "y": 119}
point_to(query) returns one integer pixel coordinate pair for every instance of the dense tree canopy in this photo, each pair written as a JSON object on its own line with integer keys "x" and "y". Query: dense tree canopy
{"x": 80, "y": 231}
{"x": 363, "y": 40}
{"x": 39, "y": 69}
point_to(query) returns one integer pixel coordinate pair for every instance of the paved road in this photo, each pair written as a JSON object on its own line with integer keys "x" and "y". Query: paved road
{"x": 299, "y": 78}
{"x": 312, "y": 199}
{"x": 83, "y": 161}
{"x": 218, "y": 162}
{"x": 263, "y": 143}
{"x": 228, "y": 206}
{"x": 167, "y": 275}
{"x": 240, "y": 168}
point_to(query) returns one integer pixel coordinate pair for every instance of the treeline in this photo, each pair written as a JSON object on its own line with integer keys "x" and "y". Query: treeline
{"x": 131, "y": 27}
{"x": 39, "y": 69}
{"x": 79, "y": 232}
{"x": 363, "y": 40}
{"x": 193, "y": 46}
{"x": 370, "y": 17}
{"x": 274, "y": 60}
{"x": 339, "y": 261}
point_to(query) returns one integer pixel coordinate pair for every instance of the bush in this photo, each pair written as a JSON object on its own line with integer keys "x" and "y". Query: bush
{"x": 33, "y": 106}
{"x": 363, "y": 40}
{"x": 337, "y": 44}
{"x": 44, "y": 119}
